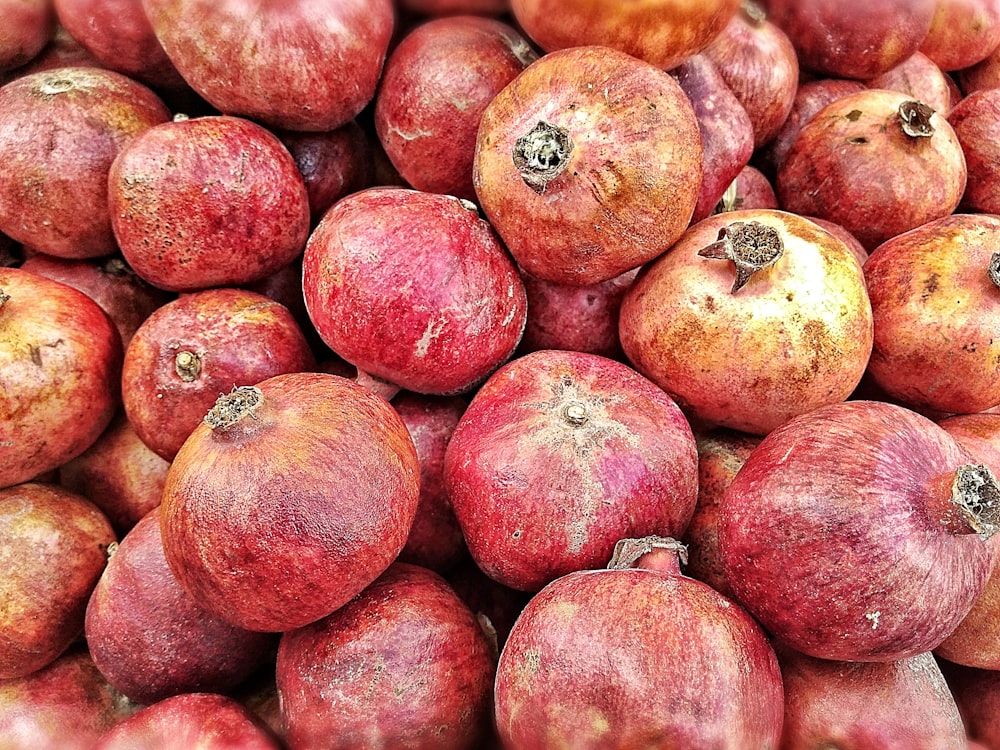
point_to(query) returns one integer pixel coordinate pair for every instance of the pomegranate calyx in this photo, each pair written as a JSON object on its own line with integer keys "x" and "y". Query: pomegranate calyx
{"x": 994, "y": 269}
{"x": 542, "y": 154}
{"x": 576, "y": 413}
{"x": 750, "y": 245}
{"x": 232, "y": 407}
{"x": 187, "y": 365}
{"x": 628, "y": 552}
{"x": 754, "y": 12}
{"x": 915, "y": 118}
{"x": 976, "y": 495}
{"x": 3, "y": 297}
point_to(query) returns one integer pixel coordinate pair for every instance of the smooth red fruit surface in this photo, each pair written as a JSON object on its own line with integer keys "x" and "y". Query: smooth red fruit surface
{"x": 962, "y": 33}
{"x": 207, "y": 721}
{"x": 629, "y": 658}
{"x": 108, "y": 281}
{"x": 302, "y": 65}
{"x": 845, "y": 164}
{"x": 898, "y": 705}
{"x": 758, "y": 63}
{"x": 976, "y": 121}
{"x": 856, "y": 39}
{"x": 435, "y": 539}
{"x": 150, "y": 639}
{"x": 404, "y": 664}
{"x": 558, "y": 456}
{"x": 575, "y": 318}
{"x": 290, "y": 498}
{"x": 413, "y": 288}
{"x": 857, "y": 532}
{"x": 588, "y": 164}
{"x": 436, "y": 83}
{"x": 333, "y": 164}
{"x": 213, "y": 201}
{"x": 935, "y": 301}
{"x": 28, "y": 26}
{"x": 60, "y": 130}
{"x": 919, "y": 77}
{"x": 721, "y": 453}
{"x": 53, "y": 548}
{"x": 198, "y": 346}
{"x": 726, "y": 129}
{"x": 662, "y": 32}
{"x": 119, "y": 474}
{"x": 796, "y": 336}
{"x": 67, "y": 705}
{"x": 60, "y": 369}
{"x": 119, "y": 35}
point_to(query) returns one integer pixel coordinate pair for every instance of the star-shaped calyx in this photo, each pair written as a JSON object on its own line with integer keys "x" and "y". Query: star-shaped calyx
{"x": 750, "y": 245}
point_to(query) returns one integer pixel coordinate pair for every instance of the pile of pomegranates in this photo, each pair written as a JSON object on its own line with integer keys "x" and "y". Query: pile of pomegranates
{"x": 502, "y": 374}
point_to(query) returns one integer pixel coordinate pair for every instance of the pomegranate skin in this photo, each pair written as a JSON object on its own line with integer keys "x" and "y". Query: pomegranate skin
{"x": 67, "y": 705}
{"x": 921, "y": 79}
{"x": 663, "y": 32}
{"x": 845, "y": 166}
{"x": 436, "y": 84}
{"x": 842, "y": 535}
{"x": 212, "y": 201}
{"x": 935, "y": 309}
{"x": 413, "y": 288}
{"x": 304, "y": 65}
{"x": 899, "y": 705}
{"x": 28, "y": 27}
{"x": 60, "y": 131}
{"x": 975, "y": 121}
{"x": 206, "y": 721}
{"x": 60, "y": 371}
{"x": 405, "y": 664}
{"x": 53, "y": 548}
{"x": 197, "y": 346}
{"x": 632, "y": 658}
{"x": 962, "y": 33}
{"x": 557, "y": 457}
{"x": 279, "y": 518}
{"x": 797, "y": 336}
{"x": 608, "y": 173}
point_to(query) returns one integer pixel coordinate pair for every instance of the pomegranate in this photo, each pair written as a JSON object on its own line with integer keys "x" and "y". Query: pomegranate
{"x": 288, "y": 499}
{"x": 688, "y": 668}
{"x": 588, "y": 164}
{"x": 207, "y": 721}
{"x": 726, "y": 130}
{"x": 28, "y": 26}
{"x": 921, "y": 79}
{"x": 935, "y": 303}
{"x": 664, "y": 33}
{"x": 749, "y": 190}
{"x": 557, "y": 457}
{"x": 758, "y": 62}
{"x": 975, "y": 121}
{"x": 108, "y": 281}
{"x": 857, "y": 531}
{"x": 61, "y": 51}
{"x": 782, "y": 329}
{"x": 213, "y": 201}
{"x": 853, "y": 40}
{"x": 53, "y": 547}
{"x": 150, "y": 639}
{"x": 897, "y": 705}
{"x": 402, "y": 665}
{"x": 575, "y": 318}
{"x": 67, "y": 705}
{"x": 196, "y": 347}
{"x": 298, "y": 65}
{"x": 843, "y": 165}
{"x": 413, "y": 288}
{"x": 435, "y": 539}
{"x": 60, "y": 365}
{"x": 119, "y": 474}
{"x": 977, "y": 693}
{"x": 60, "y": 130}
{"x": 962, "y": 33}
{"x": 435, "y": 86}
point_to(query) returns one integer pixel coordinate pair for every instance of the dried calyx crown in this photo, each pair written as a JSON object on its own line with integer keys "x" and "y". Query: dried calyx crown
{"x": 231, "y": 407}
{"x": 750, "y": 245}
{"x": 915, "y": 118}
{"x": 541, "y": 154}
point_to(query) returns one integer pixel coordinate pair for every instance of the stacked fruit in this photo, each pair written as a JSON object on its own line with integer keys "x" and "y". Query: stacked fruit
{"x": 533, "y": 374}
